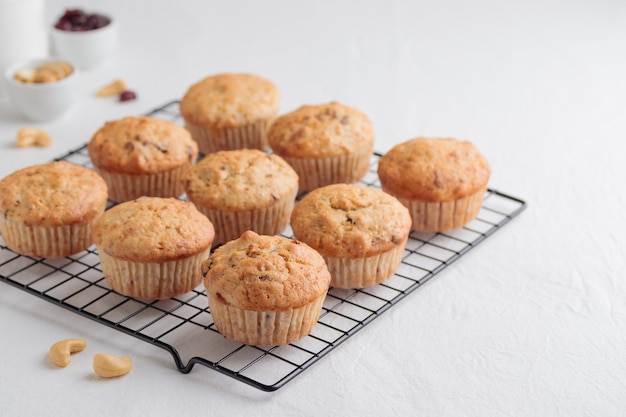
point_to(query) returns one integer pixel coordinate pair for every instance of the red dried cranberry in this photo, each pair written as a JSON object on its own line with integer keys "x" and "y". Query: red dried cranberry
{"x": 128, "y": 95}
{"x": 63, "y": 25}
{"x": 76, "y": 20}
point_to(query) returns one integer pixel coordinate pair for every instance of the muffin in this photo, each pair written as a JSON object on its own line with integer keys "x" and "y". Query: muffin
{"x": 152, "y": 247}
{"x": 142, "y": 156}
{"x": 230, "y": 111}
{"x": 241, "y": 190}
{"x": 47, "y": 209}
{"x": 325, "y": 144}
{"x": 441, "y": 180}
{"x": 360, "y": 231}
{"x": 265, "y": 290}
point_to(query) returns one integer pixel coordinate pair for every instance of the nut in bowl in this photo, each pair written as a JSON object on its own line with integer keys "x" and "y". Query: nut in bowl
{"x": 42, "y": 90}
{"x": 86, "y": 39}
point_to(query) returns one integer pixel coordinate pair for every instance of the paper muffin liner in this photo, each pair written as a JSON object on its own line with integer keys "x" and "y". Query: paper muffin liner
{"x": 440, "y": 217}
{"x": 152, "y": 281}
{"x": 250, "y": 136}
{"x": 364, "y": 272}
{"x": 46, "y": 242}
{"x": 126, "y": 187}
{"x": 265, "y": 328}
{"x": 271, "y": 220}
{"x": 318, "y": 172}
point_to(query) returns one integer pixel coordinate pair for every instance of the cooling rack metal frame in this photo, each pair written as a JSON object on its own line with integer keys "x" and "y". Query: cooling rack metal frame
{"x": 183, "y": 325}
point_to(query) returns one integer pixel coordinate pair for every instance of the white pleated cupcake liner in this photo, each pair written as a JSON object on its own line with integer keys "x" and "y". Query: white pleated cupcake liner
{"x": 271, "y": 220}
{"x": 319, "y": 172}
{"x": 46, "y": 242}
{"x": 152, "y": 281}
{"x": 364, "y": 272}
{"x": 250, "y": 136}
{"x": 126, "y": 187}
{"x": 265, "y": 328}
{"x": 443, "y": 216}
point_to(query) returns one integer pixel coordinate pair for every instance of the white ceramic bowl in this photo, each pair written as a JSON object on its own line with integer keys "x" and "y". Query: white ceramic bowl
{"x": 88, "y": 49}
{"x": 41, "y": 102}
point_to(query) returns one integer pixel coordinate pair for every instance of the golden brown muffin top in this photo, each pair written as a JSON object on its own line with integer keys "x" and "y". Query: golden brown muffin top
{"x": 141, "y": 145}
{"x": 267, "y": 273}
{"x": 240, "y": 180}
{"x": 350, "y": 220}
{"x": 323, "y": 130}
{"x": 433, "y": 169}
{"x": 230, "y": 100}
{"x": 52, "y": 194}
{"x": 152, "y": 229}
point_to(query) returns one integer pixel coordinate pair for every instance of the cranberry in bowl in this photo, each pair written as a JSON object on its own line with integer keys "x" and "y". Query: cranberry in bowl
{"x": 87, "y": 39}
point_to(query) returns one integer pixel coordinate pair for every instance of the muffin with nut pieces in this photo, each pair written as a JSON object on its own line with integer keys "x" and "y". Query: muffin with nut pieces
{"x": 441, "y": 180}
{"x": 325, "y": 143}
{"x": 152, "y": 247}
{"x": 142, "y": 156}
{"x": 46, "y": 210}
{"x": 360, "y": 231}
{"x": 230, "y": 111}
{"x": 244, "y": 189}
{"x": 265, "y": 290}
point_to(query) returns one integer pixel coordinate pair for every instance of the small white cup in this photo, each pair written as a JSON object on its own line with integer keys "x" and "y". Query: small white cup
{"x": 43, "y": 102}
{"x": 88, "y": 49}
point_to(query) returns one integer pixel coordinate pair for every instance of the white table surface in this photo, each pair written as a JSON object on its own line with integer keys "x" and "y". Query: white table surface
{"x": 530, "y": 323}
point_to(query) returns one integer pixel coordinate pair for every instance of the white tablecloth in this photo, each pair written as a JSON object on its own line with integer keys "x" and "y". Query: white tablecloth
{"x": 530, "y": 323}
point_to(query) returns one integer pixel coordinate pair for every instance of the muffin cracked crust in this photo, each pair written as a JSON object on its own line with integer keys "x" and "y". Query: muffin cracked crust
{"x": 230, "y": 111}
{"x": 361, "y": 232}
{"x": 229, "y": 100}
{"x": 265, "y": 290}
{"x": 240, "y": 180}
{"x": 441, "y": 180}
{"x": 140, "y": 156}
{"x": 326, "y": 143}
{"x": 241, "y": 190}
{"x": 47, "y": 209}
{"x": 141, "y": 145}
{"x": 152, "y": 247}
{"x": 321, "y": 131}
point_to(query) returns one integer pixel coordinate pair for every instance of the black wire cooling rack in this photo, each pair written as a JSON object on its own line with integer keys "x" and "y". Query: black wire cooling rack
{"x": 183, "y": 325}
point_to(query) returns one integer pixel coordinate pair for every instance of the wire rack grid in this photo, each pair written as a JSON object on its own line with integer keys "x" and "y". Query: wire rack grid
{"x": 183, "y": 325}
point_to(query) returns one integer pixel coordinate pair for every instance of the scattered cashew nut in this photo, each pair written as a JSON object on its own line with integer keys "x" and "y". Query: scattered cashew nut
{"x": 59, "y": 353}
{"x": 106, "y": 365}
{"x": 116, "y": 88}
{"x": 31, "y": 136}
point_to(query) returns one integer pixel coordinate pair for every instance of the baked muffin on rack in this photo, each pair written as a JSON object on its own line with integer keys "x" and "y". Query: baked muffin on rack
{"x": 441, "y": 180}
{"x": 244, "y": 189}
{"x": 360, "y": 231}
{"x": 47, "y": 209}
{"x": 152, "y": 247}
{"x": 230, "y": 111}
{"x": 325, "y": 143}
{"x": 265, "y": 290}
{"x": 142, "y": 156}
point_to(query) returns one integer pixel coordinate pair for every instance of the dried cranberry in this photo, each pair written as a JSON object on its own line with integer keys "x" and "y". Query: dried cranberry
{"x": 128, "y": 95}
{"x": 96, "y": 21}
{"x": 63, "y": 25}
{"x": 76, "y": 20}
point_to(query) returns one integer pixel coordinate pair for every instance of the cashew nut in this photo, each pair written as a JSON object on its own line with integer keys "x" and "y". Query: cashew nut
{"x": 114, "y": 89}
{"x": 59, "y": 353}
{"x": 106, "y": 365}
{"x": 30, "y": 136}
{"x": 45, "y": 73}
{"x": 25, "y": 75}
